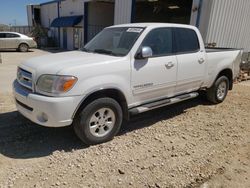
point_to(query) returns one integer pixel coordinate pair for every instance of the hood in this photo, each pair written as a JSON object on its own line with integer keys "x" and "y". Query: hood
{"x": 54, "y": 63}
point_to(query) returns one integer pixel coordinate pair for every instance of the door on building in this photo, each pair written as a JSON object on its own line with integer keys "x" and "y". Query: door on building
{"x": 156, "y": 76}
{"x": 78, "y": 38}
{"x": 98, "y": 15}
{"x": 65, "y": 43}
{"x": 170, "y": 11}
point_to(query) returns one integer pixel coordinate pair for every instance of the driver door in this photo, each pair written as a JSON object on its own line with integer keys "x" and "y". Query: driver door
{"x": 155, "y": 77}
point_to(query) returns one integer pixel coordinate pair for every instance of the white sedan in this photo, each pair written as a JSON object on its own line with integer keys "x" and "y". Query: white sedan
{"x": 12, "y": 40}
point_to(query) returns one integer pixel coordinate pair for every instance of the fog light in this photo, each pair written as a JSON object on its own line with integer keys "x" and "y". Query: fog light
{"x": 42, "y": 117}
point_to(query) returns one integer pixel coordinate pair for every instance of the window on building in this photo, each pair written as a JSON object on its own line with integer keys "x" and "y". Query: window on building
{"x": 160, "y": 41}
{"x": 186, "y": 40}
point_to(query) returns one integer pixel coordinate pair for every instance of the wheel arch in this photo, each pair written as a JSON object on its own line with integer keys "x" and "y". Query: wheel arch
{"x": 113, "y": 93}
{"x": 229, "y": 74}
{"x": 23, "y": 42}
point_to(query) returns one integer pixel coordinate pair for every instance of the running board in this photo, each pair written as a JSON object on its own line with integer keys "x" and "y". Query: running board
{"x": 161, "y": 103}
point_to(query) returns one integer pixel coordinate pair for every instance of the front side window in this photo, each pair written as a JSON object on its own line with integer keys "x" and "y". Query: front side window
{"x": 160, "y": 41}
{"x": 114, "y": 41}
{"x": 186, "y": 40}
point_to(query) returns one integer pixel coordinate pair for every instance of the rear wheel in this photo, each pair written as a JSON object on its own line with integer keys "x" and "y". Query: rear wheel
{"x": 23, "y": 47}
{"x": 99, "y": 121}
{"x": 218, "y": 92}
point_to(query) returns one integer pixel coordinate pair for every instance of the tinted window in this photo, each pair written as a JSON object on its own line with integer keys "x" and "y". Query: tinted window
{"x": 11, "y": 35}
{"x": 160, "y": 41}
{"x": 186, "y": 40}
{"x": 2, "y": 35}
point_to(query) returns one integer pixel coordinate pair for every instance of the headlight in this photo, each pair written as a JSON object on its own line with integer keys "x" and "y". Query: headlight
{"x": 55, "y": 84}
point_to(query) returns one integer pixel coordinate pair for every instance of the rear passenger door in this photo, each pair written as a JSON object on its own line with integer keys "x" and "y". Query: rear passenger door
{"x": 191, "y": 60}
{"x": 2, "y": 40}
{"x": 11, "y": 40}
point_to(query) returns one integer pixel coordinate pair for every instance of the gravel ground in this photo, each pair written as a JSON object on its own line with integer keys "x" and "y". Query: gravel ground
{"x": 191, "y": 144}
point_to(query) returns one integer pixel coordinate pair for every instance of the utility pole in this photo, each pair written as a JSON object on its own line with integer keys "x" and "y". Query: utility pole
{"x": 1, "y": 58}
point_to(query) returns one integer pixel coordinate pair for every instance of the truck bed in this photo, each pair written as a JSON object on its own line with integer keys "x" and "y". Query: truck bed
{"x": 210, "y": 50}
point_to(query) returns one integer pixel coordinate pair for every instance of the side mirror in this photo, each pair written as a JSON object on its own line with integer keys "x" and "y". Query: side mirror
{"x": 144, "y": 53}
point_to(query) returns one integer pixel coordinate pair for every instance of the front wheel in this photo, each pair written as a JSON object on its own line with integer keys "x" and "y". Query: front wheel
{"x": 218, "y": 92}
{"x": 99, "y": 121}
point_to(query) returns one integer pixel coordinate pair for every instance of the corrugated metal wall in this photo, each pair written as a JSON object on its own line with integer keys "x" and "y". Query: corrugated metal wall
{"x": 29, "y": 15}
{"x": 48, "y": 14}
{"x": 71, "y": 7}
{"x": 123, "y": 9}
{"x": 229, "y": 24}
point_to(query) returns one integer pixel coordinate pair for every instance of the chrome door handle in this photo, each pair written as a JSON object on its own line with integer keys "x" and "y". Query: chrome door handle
{"x": 169, "y": 65}
{"x": 201, "y": 60}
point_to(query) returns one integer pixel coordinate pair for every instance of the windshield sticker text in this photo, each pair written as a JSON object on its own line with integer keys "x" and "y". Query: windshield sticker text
{"x": 135, "y": 30}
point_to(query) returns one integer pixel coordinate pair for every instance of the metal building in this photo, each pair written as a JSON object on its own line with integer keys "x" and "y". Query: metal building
{"x": 223, "y": 23}
{"x": 226, "y": 23}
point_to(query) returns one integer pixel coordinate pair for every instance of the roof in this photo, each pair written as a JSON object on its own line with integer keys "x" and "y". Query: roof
{"x": 49, "y": 2}
{"x": 20, "y": 34}
{"x": 10, "y": 32}
{"x": 68, "y": 21}
{"x": 153, "y": 25}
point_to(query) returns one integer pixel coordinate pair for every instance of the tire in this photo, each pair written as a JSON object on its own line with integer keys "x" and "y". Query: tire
{"x": 23, "y": 47}
{"x": 218, "y": 92}
{"x": 99, "y": 121}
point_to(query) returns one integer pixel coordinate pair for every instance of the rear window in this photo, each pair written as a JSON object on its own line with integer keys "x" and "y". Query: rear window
{"x": 186, "y": 40}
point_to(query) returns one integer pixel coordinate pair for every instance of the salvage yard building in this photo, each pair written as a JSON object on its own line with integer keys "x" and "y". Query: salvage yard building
{"x": 72, "y": 23}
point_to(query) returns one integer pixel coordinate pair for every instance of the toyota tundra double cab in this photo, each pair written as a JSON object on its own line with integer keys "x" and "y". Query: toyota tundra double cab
{"x": 124, "y": 70}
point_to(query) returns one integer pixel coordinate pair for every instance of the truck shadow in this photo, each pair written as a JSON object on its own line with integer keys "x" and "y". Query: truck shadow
{"x": 22, "y": 139}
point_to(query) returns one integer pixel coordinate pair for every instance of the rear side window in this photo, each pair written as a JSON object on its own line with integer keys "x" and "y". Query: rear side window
{"x": 11, "y": 35}
{"x": 160, "y": 41}
{"x": 186, "y": 40}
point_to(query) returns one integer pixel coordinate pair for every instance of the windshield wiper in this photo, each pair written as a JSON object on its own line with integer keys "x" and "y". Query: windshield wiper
{"x": 103, "y": 51}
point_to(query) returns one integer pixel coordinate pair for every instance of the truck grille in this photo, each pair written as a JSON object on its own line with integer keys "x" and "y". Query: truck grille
{"x": 24, "y": 78}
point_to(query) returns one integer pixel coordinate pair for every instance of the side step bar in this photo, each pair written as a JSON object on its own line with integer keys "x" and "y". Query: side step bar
{"x": 161, "y": 103}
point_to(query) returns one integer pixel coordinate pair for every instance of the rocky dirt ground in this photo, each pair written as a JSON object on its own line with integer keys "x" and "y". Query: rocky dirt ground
{"x": 192, "y": 144}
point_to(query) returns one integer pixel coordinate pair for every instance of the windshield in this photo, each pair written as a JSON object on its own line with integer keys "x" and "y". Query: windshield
{"x": 114, "y": 41}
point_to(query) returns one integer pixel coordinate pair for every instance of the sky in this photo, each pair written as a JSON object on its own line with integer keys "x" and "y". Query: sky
{"x": 14, "y": 11}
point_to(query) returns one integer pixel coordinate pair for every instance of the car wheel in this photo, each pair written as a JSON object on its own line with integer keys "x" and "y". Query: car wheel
{"x": 23, "y": 48}
{"x": 99, "y": 121}
{"x": 218, "y": 92}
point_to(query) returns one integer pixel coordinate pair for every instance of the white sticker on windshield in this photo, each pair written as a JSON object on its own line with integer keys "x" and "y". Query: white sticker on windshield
{"x": 135, "y": 30}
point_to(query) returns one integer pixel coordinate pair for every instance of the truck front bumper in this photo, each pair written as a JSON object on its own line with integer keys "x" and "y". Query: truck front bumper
{"x": 43, "y": 110}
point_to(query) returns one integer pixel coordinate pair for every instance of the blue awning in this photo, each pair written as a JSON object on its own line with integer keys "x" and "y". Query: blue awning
{"x": 68, "y": 21}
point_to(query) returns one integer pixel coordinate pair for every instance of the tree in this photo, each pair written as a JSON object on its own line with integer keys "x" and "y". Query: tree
{"x": 40, "y": 34}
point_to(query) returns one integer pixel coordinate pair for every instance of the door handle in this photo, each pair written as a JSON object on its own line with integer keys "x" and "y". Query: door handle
{"x": 169, "y": 65}
{"x": 201, "y": 60}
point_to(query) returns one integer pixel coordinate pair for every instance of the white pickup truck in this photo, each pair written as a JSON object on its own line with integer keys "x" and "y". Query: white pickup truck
{"x": 125, "y": 70}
